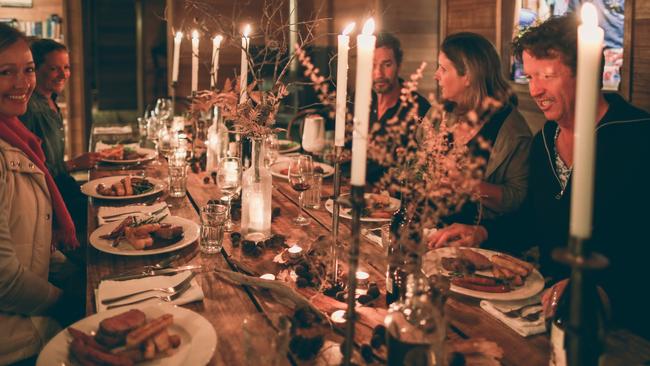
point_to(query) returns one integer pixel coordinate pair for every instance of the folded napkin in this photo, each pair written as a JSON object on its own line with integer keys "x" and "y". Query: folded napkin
{"x": 108, "y": 214}
{"x": 374, "y": 238}
{"x": 110, "y": 289}
{"x": 102, "y": 146}
{"x": 112, "y": 130}
{"x": 523, "y": 327}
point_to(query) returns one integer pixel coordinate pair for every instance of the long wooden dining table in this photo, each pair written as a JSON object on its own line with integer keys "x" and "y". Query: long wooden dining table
{"x": 226, "y": 305}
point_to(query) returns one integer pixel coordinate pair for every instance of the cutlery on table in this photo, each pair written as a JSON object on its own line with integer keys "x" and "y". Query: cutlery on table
{"x": 523, "y": 314}
{"x": 165, "y": 263}
{"x": 168, "y": 298}
{"x": 115, "y": 216}
{"x": 155, "y": 272}
{"x": 181, "y": 286}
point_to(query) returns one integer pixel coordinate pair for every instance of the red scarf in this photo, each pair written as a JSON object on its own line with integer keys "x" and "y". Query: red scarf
{"x": 17, "y": 135}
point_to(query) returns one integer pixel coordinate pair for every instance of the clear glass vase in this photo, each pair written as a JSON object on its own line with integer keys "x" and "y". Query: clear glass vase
{"x": 256, "y": 195}
{"x": 216, "y": 142}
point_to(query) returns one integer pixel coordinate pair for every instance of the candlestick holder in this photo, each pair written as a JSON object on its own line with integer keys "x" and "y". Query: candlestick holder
{"x": 358, "y": 203}
{"x": 338, "y": 151}
{"x": 581, "y": 340}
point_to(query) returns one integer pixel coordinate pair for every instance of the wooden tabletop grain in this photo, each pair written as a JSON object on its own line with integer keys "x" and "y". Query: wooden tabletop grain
{"x": 226, "y": 306}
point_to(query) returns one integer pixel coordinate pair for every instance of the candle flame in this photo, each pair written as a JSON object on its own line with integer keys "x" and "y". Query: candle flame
{"x": 179, "y": 36}
{"x": 588, "y": 15}
{"x": 195, "y": 34}
{"x": 369, "y": 27}
{"x": 349, "y": 28}
{"x": 217, "y": 40}
{"x": 247, "y": 30}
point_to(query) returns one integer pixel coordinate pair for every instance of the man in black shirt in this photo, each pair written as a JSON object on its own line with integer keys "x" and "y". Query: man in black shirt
{"x": 387, "y": 108}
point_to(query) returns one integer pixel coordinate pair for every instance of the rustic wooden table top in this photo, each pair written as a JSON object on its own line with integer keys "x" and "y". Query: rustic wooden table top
{"x": 226, "y": 306}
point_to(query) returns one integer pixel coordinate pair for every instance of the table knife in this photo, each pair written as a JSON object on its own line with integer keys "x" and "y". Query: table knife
{"x": 156, "y": 272}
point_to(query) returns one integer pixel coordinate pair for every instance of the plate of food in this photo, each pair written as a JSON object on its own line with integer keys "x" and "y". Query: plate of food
{"x": 120, "y": 154}
{"x": 159, "y": 334}
{"x": 484, "y": 274}
{"x": 287, "y": 146}
{"x": 122, "y": 187}
{"x": 145, "y": 235}
{"x": 281, "y": 169}
{"x": 379, "y": 207}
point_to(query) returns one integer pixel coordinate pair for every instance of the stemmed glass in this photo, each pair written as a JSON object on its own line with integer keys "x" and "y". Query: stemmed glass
{"x": 301, "y": 173}
{"x": 271, "y": 149}
{"x": 163, "y": 109}
{"x": 229, "y": 181}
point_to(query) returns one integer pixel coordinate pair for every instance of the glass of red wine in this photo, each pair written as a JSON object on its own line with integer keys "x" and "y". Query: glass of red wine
{"x": 301, "y": 172}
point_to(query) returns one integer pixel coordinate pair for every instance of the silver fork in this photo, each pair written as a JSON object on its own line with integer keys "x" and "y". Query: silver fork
{"x": 168, "y": 298}
{"x": 183, "y": 285}
{"x": 116, "y": 217}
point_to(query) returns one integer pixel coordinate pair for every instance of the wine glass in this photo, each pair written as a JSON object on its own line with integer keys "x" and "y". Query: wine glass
{"x": 271, "y": 149}
{"x": 301, "y": 172}
{"x": 229, "y": 181}
{"x": 163, "y": 109}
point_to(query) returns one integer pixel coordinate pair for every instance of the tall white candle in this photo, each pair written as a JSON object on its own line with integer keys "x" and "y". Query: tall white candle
{"x": 195, "y": 61}
{"x": 243, "y": 81}
{"x": 216, "y": 46}
{"x": 365, "y": 52}
{"x": 342, "y": 84}
{"x": 177, "y": 50}
{"x": 590, "y": 47}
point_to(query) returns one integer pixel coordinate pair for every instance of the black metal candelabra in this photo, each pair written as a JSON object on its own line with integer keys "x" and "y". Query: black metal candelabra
{"x": 358, "y": 203}
{"x": 581, "y": 340}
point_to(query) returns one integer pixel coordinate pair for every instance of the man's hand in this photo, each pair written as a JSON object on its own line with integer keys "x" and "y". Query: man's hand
{"x": 84, "y": 161}
{"x": 458, "y": 235}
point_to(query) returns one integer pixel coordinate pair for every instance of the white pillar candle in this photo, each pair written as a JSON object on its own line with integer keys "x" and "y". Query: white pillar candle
{"x": 195, "y": 61}
{"x": 590, "y": 46}
{"x": 295, "y": 251}
{"x": 243, "y": 81}
{"x": 232, "y": 171}
{"x": 338, "y": 317}
{"x": 362, "y": 278}
{"x": 177, "y": 51}
{"x": 342, "y": 84}
{"x": 365, "y": 52}
{"x": 216, "y": 46}
{"x": 268, "y": 276}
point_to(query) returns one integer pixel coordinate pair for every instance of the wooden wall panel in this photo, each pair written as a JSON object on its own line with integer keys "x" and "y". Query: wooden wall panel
{"x": 640, "y": 64}
{"x": 40, "y": 10}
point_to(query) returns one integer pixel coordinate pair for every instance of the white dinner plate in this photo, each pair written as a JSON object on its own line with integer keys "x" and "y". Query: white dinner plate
{"x": 533, "y": 284}
{"x": 147, "y": 154}
{"x": 289, "y": 146}
{"x": 90, "y": 188}
{"x": 278, "y": 167}
{"x": 198, "y": 337}
{"x": 344, "y": 212}
{"x": 190, "y": 235}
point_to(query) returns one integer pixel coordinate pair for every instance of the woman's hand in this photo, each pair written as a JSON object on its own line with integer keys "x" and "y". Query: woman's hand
{"x": 84, "y": 161}
{"x": 458, "y": 235}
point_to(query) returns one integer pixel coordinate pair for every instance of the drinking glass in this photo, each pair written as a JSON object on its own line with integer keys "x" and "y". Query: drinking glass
{"x": 313, "y": 134}
{"x": 271, "y": 149}
{"x": 163, "y": 109}
{"x": 177, "y": 178}
{"x": 213, "y": 219}
{"x": 301, "y": 174}
{"x": 312, "y": 195}
{"x": 142, "y": 128}
{"x": 229, "y": 182}
{"x": 167, "y": 141}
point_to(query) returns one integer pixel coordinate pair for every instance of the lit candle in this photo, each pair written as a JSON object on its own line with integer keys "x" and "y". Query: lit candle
{"x": 295, "y": 251}
{"x": 362, "y": 278}
{"x": 268, "y": 276}
{"x": 195, "y": 61}
{"x": 216, "y": 45}
{"x": 365, "y": 52}
{"x": 338, "y": 317}
{"x": 342, "y": 84}
{"x": 590, "y": 45}
{"x": 243, "y": 82}
{"x": 177, "y": 51}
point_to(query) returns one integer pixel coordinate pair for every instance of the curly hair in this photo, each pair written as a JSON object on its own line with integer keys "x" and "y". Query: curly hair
{"x": 43, "y": 47}
{"x": 388, "y": 40}
{"x": 558, "y": 36}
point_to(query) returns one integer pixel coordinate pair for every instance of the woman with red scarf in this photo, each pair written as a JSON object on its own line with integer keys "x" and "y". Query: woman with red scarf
{"x": 34, "y": 221}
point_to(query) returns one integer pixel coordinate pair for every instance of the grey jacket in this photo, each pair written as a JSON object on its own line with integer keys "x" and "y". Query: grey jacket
{"x": 25, "y": 237}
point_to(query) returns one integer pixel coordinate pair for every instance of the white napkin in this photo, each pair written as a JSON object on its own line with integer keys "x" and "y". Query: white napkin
{"x": 112, "y": 130}
{"x": 124, "y": 211}
{"x": 109, "y": 289}
{"x": 102, "y": 146}
{"x": 521, "y": 326}
{"x": 374, "y": 238}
